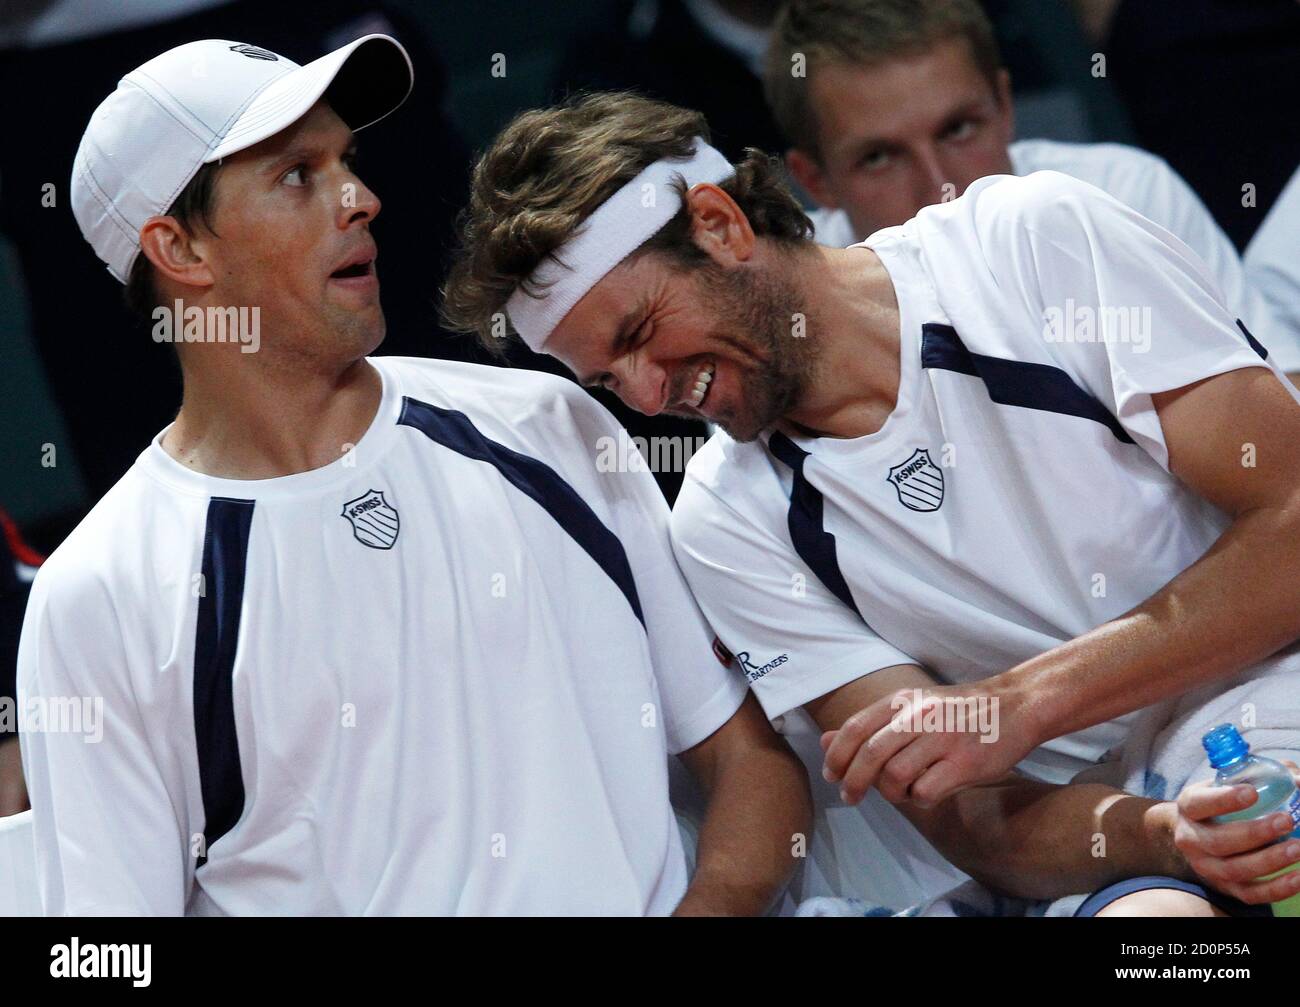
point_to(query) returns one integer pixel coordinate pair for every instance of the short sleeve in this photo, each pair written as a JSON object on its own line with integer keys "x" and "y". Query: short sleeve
{"x": 1128, "y": 309}
{"x": 791, "y": 637}
{"x": 1160, "y": 193}
{"x": 108, "y": 840}
{"x": 698, "y": 692}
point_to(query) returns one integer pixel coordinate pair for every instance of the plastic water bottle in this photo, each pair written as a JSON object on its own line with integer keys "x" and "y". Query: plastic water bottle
{"x": 1274, "y": 786}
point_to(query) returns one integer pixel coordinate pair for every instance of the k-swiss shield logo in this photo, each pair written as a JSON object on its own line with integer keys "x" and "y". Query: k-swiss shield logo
{"x": 919, "y": 482}
{"x": 374, "y": 520}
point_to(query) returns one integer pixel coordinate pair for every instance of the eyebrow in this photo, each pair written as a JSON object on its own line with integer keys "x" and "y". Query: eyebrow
{"x": 307, "y": 153}
{"x": 860, "y": 146}
{"x": 627, "y": 328}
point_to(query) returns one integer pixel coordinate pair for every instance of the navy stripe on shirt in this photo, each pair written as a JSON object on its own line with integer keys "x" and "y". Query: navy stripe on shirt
{"x": 1015, "y": 382}
{"x": 1255, "y": 344}
{"x": 534, "y": 478}
{"x": 814, "y": 544}
{"x": 225, "y": 555}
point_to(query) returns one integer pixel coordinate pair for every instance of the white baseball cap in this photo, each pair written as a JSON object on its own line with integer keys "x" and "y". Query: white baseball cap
{"x": 203, "y": 101}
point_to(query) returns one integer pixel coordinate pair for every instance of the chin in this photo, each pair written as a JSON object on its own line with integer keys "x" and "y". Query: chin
{"x": 359, "y": 333}
{"x": 376, "y": 336}
{"x": 741, "y": 428}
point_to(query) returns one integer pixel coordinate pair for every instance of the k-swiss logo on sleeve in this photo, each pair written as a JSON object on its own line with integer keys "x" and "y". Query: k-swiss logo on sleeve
{"x": 919, "y": 482}
{"x": 374, "y": 520}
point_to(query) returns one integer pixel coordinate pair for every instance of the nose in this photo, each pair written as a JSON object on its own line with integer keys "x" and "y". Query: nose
{"x": 357, "y": 203}
{"x": 645, "y": 390}
{"x": 931, "y": 177}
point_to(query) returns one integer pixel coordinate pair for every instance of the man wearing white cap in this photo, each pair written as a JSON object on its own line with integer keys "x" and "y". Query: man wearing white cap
{"x": 359, "y": 635}
{"x": 1017, "y": 445}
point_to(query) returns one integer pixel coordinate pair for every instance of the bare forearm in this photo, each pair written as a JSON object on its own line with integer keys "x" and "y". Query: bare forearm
{"x": 13, "y": 790}
{"x": 1043, "y": 841}
{"x": 1236, "y": 605}
{"x": 757, "y": 825}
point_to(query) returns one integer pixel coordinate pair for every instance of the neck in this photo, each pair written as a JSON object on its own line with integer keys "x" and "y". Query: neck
{"x": 242, "y": 419}
{"x": 854, "y": 383}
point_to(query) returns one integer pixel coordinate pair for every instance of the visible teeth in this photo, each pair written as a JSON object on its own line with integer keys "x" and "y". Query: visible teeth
{"x": 701, "y": 386}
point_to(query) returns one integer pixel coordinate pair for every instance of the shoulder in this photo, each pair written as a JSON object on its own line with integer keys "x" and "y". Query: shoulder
{"x": 724, "y": 480}
{"x": 1030, "y": 197}
{"x": 497, "y": 396}
{"x": 470, "y": 381}
{"x": 546, "y": 418}
{"x": 82, "y": 578}
{"x": 725, "y": 466}
{"x": 1000, "y": 216}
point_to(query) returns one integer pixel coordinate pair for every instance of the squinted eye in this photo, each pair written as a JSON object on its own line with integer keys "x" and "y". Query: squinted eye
{"x": 874, "y": 159}
{"x": 960, "y": 130}
{"x": 296, "y": 176}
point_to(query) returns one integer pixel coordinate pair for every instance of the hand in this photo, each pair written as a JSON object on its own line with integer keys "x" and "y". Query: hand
{"x": 924, "y": 746}
{"x": 13, "y": 791}
{"x": 1231, "y": 856}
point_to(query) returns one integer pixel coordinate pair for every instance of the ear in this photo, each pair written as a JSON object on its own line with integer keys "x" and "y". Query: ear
{"x": 175, "y": 253}
{"x": 1006, "y": 110}
{"x": 718, "y": 226}
{"x": 808, "y": 173}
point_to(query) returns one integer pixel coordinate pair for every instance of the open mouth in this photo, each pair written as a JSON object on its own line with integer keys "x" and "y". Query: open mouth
{"x": 699, "y": 389}
{"x": 354, "y": 270}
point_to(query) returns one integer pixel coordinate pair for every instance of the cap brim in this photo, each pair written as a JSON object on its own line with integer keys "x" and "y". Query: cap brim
{"x": 363, "y": 81}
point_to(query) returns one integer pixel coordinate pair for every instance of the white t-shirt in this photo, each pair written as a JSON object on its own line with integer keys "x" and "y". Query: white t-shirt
{"x": 1147, "y": 184}
{"x": 1272, "y": 260}
{"x": 441, "y": 675}
{"x": 1017, "y": 496}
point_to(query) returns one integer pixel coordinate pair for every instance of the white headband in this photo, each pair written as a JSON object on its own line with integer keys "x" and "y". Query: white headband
{"x": 617, "y": 228}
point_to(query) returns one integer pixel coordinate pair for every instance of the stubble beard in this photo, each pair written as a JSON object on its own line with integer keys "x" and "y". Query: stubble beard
{"x": 757, "y": 313}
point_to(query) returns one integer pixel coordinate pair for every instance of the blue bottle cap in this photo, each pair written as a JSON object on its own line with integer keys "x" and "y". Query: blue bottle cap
{"x": 1224, "y": 745}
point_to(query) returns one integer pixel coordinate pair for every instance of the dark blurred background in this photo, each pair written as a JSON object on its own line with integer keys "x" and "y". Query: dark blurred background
{"x": 1210, "y": 85}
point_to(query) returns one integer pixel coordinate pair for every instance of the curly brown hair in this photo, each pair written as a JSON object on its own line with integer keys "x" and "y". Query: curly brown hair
{"x": 549, "y": 169}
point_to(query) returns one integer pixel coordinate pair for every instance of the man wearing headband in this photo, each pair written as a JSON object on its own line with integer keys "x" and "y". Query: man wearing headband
{"x": 1016, "y": 442}
{"x": 359, "y": 635}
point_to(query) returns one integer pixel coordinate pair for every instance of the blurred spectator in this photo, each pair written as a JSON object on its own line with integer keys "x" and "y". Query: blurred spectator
{"x": 18, "y": 565}
{"x": 700, "y": 54}
{"x": 1273, "y": 257}
{"x": 115, "y": 386}
{"x": 904, "y": 103}
{"x": 1210, "y": 86}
